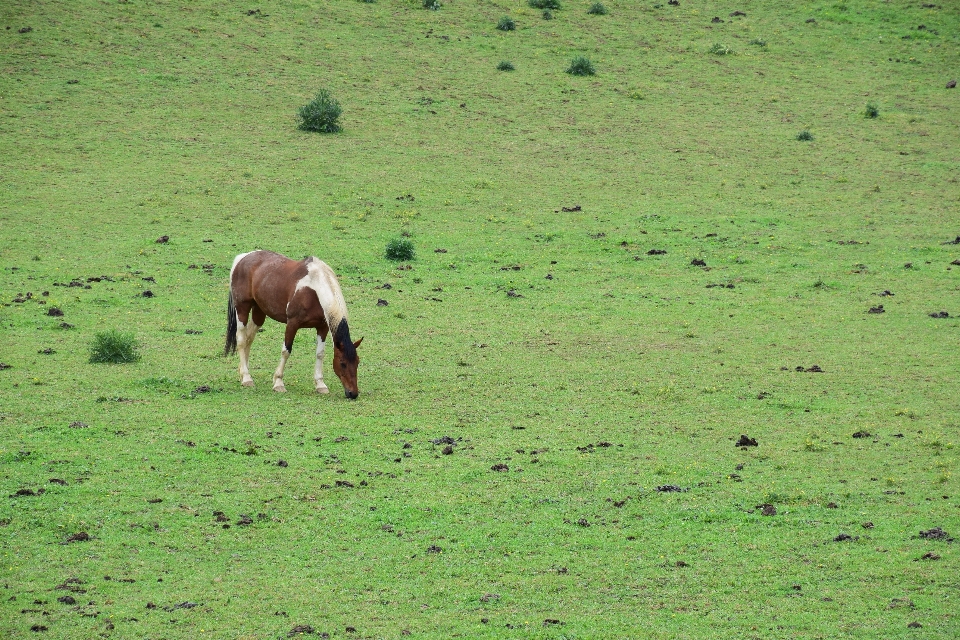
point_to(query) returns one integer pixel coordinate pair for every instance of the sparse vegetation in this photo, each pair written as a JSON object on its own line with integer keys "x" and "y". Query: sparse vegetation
{"x": 320, "y": 114}
{"x": 758, "y": 42}
{"x": 400, "y": 249}
{"x": 114, "y": 347}
{"x": 719, "y": 49}
{"x": 544, "y": 4}
{"x": 597, "y": 9}
{"x": 506, "y": 23}
{"x": 581, "y": 66}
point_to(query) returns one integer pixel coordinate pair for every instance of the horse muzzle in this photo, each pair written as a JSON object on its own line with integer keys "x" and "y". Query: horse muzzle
{"x": 351, "y": 395}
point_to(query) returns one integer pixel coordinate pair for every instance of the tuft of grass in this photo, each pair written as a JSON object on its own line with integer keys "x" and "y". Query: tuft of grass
{"x": 505, "y": 65}
{"x": 581, "y": 66}
{"x": 115, "y": 347}
{"x": 432, "y": 5}
{"x": 320, "y": 114}
{"x": 872, "y": 111}
{"x": 719, "y": 49}
{"x": 597, "y": 9}
{"x": 757, "y": 42}
{"x": 544, "y": 4}
{"x": 506, "y": 23}
{"x": 400, "y": 249}
{"x": 547, "y": 15}
{"x": 805, "y": 136}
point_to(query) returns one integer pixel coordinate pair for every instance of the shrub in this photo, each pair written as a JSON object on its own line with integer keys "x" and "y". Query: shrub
{"x": 757, "y": 42}
{"x": 805, "y": 136}
{"x": 872, "y": 111}
{"x": 400, "y": 249}
{"x": 115, "y": 347}
{"x": 544, "y": 4}
{"x": 720, "y": 50}
{"x": 547, "y": 15}
{"x": 432, "y": 5}
{"x": 505, "y": 65}
{"x": 581, "y": 66}
{"x": 597, "y": 9}
{"x": 506, "y": 24}
{"x": 320, "y": 114}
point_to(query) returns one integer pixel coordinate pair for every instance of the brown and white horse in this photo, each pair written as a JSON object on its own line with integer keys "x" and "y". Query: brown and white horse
{"x": 303, "y": 295}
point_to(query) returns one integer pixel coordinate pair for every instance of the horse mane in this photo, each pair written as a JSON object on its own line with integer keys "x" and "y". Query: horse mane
{"x": 321, "y": 278}
{"x": 341, "y": 338}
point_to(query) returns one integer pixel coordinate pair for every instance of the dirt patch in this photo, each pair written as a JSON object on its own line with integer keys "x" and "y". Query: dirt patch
{"x": 440, "y": 440}
{"x": 55, "y": 312}
{"x": 434, "y": 549}
{"x": 447, "y": 450}
{"x": 577, "y": 207}
{"x": 746, "y": 441}
{"x": 244, "y": 520}
{"x": 845, "y": 537}
{"x": 767, "y": 510}
{"x": 814, "y": 369}
{"x": 862, "y": 434}
{"x": 929, "y": 555}
{"x": 59, "y": 481}
{"x": 670, "y": 488}
{"x": 877, "y": 309}
{"x": 162, "y": 240}
{"x": 940, "y": 314}
{"x": 4, "y": 365}
{"x": 656, "y": 252}
{"x": 512, "y": 293}
{"x": 697, "y": 262}
{"x": 67, "y": 600}
{"x": 936, "y": 534}
{"x": 500, "y": 467}
{"x": 80, "y": 536}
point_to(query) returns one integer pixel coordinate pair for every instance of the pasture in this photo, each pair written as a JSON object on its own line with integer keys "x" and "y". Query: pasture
{"x": 616, "y": 277}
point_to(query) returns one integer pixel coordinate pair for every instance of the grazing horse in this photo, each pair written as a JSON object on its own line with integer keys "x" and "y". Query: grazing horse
{"x": 302, "y": 294}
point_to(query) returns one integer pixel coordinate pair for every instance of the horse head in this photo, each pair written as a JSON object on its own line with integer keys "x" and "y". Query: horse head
{"x": 345, "y": 361}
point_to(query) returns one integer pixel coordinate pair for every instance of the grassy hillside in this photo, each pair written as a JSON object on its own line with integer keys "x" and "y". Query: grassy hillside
{"x": 554, "y": 321}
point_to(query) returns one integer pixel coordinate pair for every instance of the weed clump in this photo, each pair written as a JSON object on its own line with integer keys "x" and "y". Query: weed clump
{"x": 432, "y": 5}
{"x": 506, "y": 24}
{"x": 544, "y": 4}
{"x": 757, "y": 42}
{"x": 720, "y": 50}
{"x": 400, "y": 249}
{"x": 804, "y": 136}
{"x": 871, "y": 111}
{"x": 547, "y": 15}
{"x": 114, "y": 347}
{"x": 505, "y": 65}
{"x": 320, "y": 114}
{"x": 581, "y": 66}
{"x": 597, "y": 9}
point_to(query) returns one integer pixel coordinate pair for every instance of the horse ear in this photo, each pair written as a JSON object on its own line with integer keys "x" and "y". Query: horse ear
{"x": 357, "y": 343}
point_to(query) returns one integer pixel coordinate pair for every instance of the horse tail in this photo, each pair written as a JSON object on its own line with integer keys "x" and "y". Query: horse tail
{"x": 231, "y": 342}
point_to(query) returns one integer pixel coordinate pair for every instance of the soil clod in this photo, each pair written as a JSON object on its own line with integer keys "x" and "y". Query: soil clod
{"x": 67, "y": 600}
{"x": 656, "y": 252}
{"x": 381, "y": 302}
{"x": 768, "y": 510}
{"x": 500, "y": 467}
{"x": 80, "y": 536}
{"x": 877, "y": 309}
{"x": 162, "y": 240}
{"x": 697, "y": 262}
{"x": 746, "y": 441}
{"x": 843, "y": 537}
{"x": 935, "y": 534}
{"x": 670, "y": 488}
{"x": 55, "y": 312}
{"x": 940, "y": 314}
{"x": 572, "y": 209}
{"x": 862, "y": 434}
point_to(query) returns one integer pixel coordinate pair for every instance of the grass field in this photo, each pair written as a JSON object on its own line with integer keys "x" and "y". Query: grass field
{"x": 554, "y": 324}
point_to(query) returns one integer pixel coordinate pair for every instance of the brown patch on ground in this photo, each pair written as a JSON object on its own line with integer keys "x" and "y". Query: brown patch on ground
{"x": 746, "y": 441}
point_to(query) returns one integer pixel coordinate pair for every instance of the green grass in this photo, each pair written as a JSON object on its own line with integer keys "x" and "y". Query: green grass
{"x": 115, "y": 132}
{"x": 114, "y": 347}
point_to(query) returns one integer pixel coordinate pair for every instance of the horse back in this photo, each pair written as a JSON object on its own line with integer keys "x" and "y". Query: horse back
{"x": 267, "y": 279}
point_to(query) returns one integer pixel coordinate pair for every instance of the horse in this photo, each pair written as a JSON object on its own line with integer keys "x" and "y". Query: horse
{"x": 302, "y": 294}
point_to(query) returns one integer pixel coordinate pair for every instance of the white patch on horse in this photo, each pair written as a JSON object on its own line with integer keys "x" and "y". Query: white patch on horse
{"x": 278, "y": 374}
{"x": 318, "y": 369}
{"x": 245, "y": 336}
{"x": 324, "y": 283}
{"x": 236, "y": 261}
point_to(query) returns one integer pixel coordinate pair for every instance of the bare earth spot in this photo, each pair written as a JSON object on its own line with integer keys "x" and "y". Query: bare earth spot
{"x": 746, "y": 441}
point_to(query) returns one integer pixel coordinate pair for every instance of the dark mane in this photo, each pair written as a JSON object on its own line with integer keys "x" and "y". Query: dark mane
{"x": 341, "y": 339}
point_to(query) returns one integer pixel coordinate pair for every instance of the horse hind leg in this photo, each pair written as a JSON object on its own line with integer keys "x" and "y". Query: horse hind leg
{"x": 246, "y": 332}
{"x": 288, "y": 337}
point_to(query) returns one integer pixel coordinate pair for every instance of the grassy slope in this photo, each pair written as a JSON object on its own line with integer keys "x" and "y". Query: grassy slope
{"x": 181, "y": 123}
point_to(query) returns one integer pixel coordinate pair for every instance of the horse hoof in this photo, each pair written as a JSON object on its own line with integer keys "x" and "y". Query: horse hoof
{"x": 280, "y": 389}
{"x": 323, "y": 389}
{"x": 248, "y": 383}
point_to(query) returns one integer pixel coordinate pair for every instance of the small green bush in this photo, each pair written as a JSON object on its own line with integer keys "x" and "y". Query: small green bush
{"x": 506, "y": 24}
{"x": 114, "y": 347}
{"x": 757, "y": 42}
{"x": 320, "y": 114}
{"x": 505, "y": 65}
{"x": 547, "y": 15}
{"x": 400, "y": 249}
{"x": 581, "y": 66}
{"x": 544, "y": 4}
{"x": 720, "y": 50}
{"x": 597, "y": 9}
{"x": 805, "y": 136}
{"x": 432, "y": 5}
{"x": 871, "y": 111}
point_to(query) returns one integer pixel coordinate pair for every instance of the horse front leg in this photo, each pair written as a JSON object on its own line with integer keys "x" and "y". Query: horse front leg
{"x": 318, "y": 369}
{"x": 288, "y": 337}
